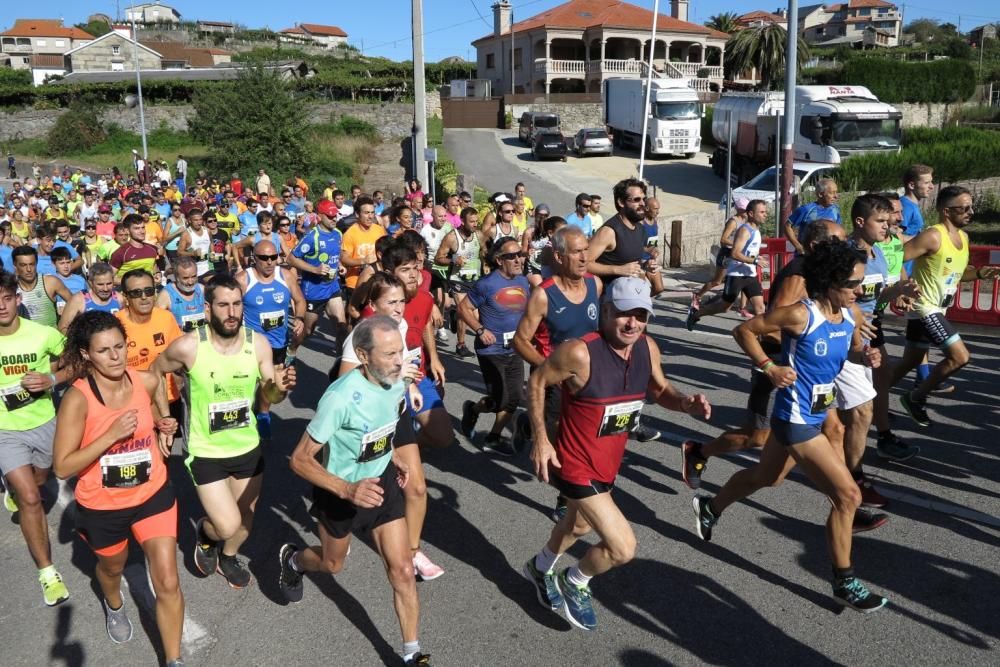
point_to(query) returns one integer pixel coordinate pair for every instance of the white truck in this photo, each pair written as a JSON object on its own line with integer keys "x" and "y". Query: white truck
{"x": 832, "y": 123}
{"x": 674, "y": 115}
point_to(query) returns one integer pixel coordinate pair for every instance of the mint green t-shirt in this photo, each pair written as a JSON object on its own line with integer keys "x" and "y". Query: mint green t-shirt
{"x": 356, "y": 419}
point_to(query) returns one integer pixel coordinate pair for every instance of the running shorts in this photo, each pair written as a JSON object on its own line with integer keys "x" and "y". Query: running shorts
{"x": 205, "y": 470}
{"x": 31, "y": 447}
{"x": 934, "y": 328}
{"x": 854, "y": 386}
{"x": 579, "y": 491}
{"x": 278, "y": 355}
{"x": 107, "y": 531}
{"x": 432, "y": 399}
{"x": 722, "y": 256}
{"x": 789, "y": 434}
{"x": 748, "y": 285}
{"x": 340, "y": 517}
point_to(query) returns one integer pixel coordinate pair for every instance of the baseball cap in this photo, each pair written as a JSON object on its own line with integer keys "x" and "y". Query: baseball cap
{"x": 104, "y": 208}
{"x": 629, "y": 294}
{"x": 742, "y": 203}
{"x": 327, "y": 208}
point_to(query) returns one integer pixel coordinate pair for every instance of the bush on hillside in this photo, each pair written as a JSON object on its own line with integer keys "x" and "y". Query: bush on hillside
{"x": 895, "y": 81}
{"x": 76, "y": 131}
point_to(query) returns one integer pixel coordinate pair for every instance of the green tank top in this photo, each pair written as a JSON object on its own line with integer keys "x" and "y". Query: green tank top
{"x": 219, "y": 396}
{"x": 41, "y": 309}
{"x": 939, "y": 275}
{"x": 892, "y": 248}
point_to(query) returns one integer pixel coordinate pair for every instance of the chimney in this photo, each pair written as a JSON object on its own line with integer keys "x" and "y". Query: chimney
{"x": 501, "y": 18}
{"x": 679, "y": 9}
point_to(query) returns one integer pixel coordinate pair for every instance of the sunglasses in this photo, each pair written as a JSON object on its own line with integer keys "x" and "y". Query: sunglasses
{"x": 90, "y": 226}
{"x": 633, "y": 200}
{"x": 284, "y": 224}
{"x": 266, "y": 258}
{"x": 507, "y": 211}
{"x": 961, "y": 209}
{"x": 511, "y": 256}
{"x": 849, "y": 284}
{"x": 141, "y": 292}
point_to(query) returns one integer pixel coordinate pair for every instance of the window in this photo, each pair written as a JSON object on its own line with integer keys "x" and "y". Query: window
{"x": 517, "y": 59}
{"x": 26, "y": 61}
{"x": 116, "y": 50}
{"x": 117, "y": 67}
{"x": 60, "y": 42}
{"x": 490, "y": 61}
{"x": 40, "y": 42}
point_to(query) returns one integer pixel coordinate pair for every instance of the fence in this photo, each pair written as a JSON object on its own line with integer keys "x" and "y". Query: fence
{"x": 975, "y": 303}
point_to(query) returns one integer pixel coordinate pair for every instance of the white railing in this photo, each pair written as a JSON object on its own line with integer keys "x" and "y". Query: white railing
{"x": 624, "y": 67}
{"x": 543, "y": 66}
{"x": 617, "y": 66}
{"x": 692, "y": 69}
{"x": 701, "y": 85}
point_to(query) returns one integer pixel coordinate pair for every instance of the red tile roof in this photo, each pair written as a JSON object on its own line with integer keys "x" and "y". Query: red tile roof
{"x": 583, "y": 14}
{"x": 856, "y": 4}
{"x": 324, "y": 30}
{"x": 177, "y": 52}
{"x": 44, "y": 28}
{"x": 835, "y": 8}
{"x": 759, "y": 15}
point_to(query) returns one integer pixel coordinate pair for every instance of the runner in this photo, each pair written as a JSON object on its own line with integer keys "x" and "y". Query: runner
{"x": 596, "y": 219}
{"x": 224, "y": 362}
{"x": 356, "y": 431}
{"x": 818, "y": 336}
{"x": 464, "y": 250}
{"x": 580, "y": 217}
{"x": 492, "y": 309}
{"x": 110, "y": 435}
{"x": 605, "y": 375}
{"x": 434, "y": 232}
{"x": 725, "y": 248}
{"x": 136, "y": 254}
{"x": 617, "y": 247}
{"x": 651, "y": 253}
{"x": 317, "y": 260}
{"x": 824, "y": 208}
{"x": 101, "y": 296}
{"x": 184, "y": 296}
{"x": 196, "y": 243}
{"x": 28, "y": 373}
{"x": 37, "y": 293}
{"x": 358, "y": 248}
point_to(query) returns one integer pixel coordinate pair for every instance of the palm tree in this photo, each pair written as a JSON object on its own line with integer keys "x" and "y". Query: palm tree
{"x": 762, "y": 47}
{"x": 724, "y": 22}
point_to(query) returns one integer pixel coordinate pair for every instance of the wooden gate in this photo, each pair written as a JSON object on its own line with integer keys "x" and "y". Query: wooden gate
{"x": 461, "y": 112}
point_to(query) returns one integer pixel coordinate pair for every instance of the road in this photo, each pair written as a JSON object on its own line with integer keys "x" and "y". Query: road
{"x": 757, "y": 594}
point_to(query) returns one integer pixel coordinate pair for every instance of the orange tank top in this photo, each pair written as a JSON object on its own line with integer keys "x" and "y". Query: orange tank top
{"x": 131, "y": 470}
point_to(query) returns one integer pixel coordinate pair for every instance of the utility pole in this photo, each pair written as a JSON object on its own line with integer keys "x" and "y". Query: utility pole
{"x": 649, "y": 87}
{"x": 138, "y": 86}
{"x": 419, "y": 94}
{"x": 788, "y": 146}
{"x": 513, "y": 68}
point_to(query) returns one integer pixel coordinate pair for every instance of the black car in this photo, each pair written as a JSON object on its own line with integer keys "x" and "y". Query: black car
{"x": 549, "y": 145}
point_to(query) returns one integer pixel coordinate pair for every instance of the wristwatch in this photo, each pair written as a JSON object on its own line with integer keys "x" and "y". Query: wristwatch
{"x": 480, "y": 331}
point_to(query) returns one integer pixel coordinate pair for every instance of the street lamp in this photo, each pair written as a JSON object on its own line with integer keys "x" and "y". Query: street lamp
{"x": 132, "y": 100}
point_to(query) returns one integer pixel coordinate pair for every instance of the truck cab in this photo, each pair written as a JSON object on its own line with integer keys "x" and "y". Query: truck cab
{"x": 673, "y": 117}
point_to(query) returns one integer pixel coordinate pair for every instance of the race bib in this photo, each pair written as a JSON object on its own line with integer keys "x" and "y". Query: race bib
{"x": 16, "y": 397}
{"x": 620, "y": 418}
{"x": 192, "y": 322}
{"x": 272, "y": 320}
{"x": 124, "y": 471}
{"x": 871, "y": 287}
{"x": 228, "y": 414}
{"x": 377, "y": 443}
{"x": 652, "y": 241}
{"x": 949, "y": 290}
{"x": 823, "y": 396}
{"x": 507, "y": 338}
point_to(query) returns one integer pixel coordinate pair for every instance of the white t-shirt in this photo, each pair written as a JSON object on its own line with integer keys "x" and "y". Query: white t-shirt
{"x": 350, "y": 356}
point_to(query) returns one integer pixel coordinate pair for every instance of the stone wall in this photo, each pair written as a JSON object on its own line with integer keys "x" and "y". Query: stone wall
{"x": 699, "y": 236}
{"x": 572, "y": 117}
{"x": 929, "y": 115}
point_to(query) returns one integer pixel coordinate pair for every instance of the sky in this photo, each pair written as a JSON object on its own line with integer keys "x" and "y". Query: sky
{"x": 382, "y": 27}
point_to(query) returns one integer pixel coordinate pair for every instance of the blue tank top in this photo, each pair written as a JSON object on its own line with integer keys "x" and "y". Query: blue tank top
{"x": 265, "y": 307}
{"x": 113, "y": 305}
{"x": 189, "y": 313}
{"x": 565, "y": 319}
{"x": 817, "y": 355}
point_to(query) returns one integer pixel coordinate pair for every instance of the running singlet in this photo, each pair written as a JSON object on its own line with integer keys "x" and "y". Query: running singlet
{"x": 750, "y": 249}
{"x": 501, "y": 303}
{"x": 565, "y": 319}
{"x": 469, "y": 249}
{"x": 939, "y": 275}
{"x": 113, "y": 305}
{"x": 356, "y": 420}
{"x": 629, "y": 244}
{"x": 595, "y": 422}
{"x": 265, "y": 307}
{"x": 201, "y": 242}
{"x": 131, "y": 470}
{"x": 188, "y": 313}
{"x": 317, "y": 248}
{"x": 358, "y": 244}
{"x": 219, "y": 396}
{"x": 876, "y": 278}
{"x": 29, "y": 349}
{"x": 892, "y": 248}
{"x": 817, "y": 355}
{"x": 434, "y": 236}
{"x": 41, "y": 309}
{"x": 417, "y": 312}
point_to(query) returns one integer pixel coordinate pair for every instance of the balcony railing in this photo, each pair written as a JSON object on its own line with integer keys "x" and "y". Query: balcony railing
{"x": 692, "y": 69}
{"x": 16, "y": 48}
{"x": 620, "y": 67}
{"x": 543, "y": 66}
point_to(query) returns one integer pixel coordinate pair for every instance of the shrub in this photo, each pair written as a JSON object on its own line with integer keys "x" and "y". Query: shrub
{"x": 76, "y": 131}
{"x": 894, "y": 81}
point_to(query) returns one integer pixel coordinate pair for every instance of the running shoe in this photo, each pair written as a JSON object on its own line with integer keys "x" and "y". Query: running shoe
{"x": 745, "y": 314}
{"x": 469, "y": 419}
{"x": 234, "y": 571}
{"x": 692, "y": 463}
{"x": 545, "y": 585}
{"x": 916, "y": 409}
{"x": 579, "y": 606}
{"x": 944, "y": 387}
{"x": 424, "y": 568}
{"x": 645, "y": 434}
{"x": 420, "y": 660}
{"x": 289, "y": 581}
{"x": 264, "y": 425}
{"x": 850, "y": 592}
{"x": 499, "y": 445}
{"x": 866, "y": 519}
{"x": 463, "y": 351}
{"x": 560, "y": 510}
{"x": 9, "y": 501}
{"x": 53, "y": 589}
{"x": 442, "y": 335}
{"x": 117, "y": 622}
{"x": 705, "y": 519}
{"x": 695, "y": 301}
{"x": 206, "y": 552}
{"x": 870, "y": 497}
{"x": 522, "y": 432}
{"x": 892, "y": 447}
{"x": 175, "y": 663}
{"x": 692, "y": 317}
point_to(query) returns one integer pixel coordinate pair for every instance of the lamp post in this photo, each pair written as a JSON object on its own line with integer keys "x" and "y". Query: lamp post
{"x": 649, "y": 87}
{"x": 138, "y": 86}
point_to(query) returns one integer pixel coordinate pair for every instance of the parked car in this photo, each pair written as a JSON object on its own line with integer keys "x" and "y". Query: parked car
{"x": 549, "y": 144}
{"x": 592, "y": 141}
{"x": 761, "y": 186}
{"x": 533, "y": 122}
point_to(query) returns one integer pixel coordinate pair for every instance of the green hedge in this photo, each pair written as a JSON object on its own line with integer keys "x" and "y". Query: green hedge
{"x": 894, "y": 81}
{"x": 956, "y": 154}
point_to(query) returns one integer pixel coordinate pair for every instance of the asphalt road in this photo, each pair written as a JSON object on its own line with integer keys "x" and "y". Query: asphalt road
{"x": 757, "y": 594}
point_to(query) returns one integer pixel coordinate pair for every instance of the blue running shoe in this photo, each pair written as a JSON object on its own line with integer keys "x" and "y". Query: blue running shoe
{"x": 850, "y": 592}
{"x": 578, "y": 606}
{"x": 545, "y": 585}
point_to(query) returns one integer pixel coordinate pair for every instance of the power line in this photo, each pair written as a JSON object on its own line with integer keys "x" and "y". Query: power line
{"x": 474, "y": 6}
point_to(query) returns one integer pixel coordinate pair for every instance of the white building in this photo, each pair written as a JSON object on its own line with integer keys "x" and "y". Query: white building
{"x": 39, "y": 45}
{"x": 848, "y": 23}
{"x": 152, "y": 12}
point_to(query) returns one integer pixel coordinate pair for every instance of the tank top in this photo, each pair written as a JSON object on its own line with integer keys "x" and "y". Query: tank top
{"x": 36, "y": 301}
{"x": 595, "y": 422}
{"x": 535, "y": 250}
{"x": 113, "y": 305}
{"x": 265, "y": 307}
{"x": 189, "y": 313}
{"x": 565, "y": 319}
{"x": 817, "y": 355}
{"x": 203, "y": 244}
{"x": 751, "y": 248}
{"x": 939, "y": 275}
{"x": 219, "y": 395}
{"x": 629, "y": 244}
{"x": 470, "y": 250}
{"x": 131, "y": 470}
{"x": 876, "y": 272}
{"x": 499, "y": 234}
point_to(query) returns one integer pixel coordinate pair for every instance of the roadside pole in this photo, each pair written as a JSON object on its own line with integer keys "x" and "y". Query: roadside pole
{"x": 649, "y": 87}
{"x": 729, "y": 164}
{"x": 138, "y": 86}
{"x": 419, "y": 93}
{"x": 788, "y": 148}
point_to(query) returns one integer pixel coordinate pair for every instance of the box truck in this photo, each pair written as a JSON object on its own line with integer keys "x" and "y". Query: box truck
{"x": 674, "y": 115}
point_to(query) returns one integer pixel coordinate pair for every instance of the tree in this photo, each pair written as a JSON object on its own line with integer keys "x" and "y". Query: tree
{"x": 254, "y": 124}
{"x": 95, "y": 28}
{"x": 923, "y": 30}
{"x": 724, "y": 22}
{"x": 762, "y": 47}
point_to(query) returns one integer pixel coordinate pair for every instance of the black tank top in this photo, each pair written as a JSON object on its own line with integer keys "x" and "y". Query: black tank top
{"x": 629, "y": 243}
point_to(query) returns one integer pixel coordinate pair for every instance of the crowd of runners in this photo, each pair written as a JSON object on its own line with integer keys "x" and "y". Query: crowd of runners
{"x": 134, "y": 311}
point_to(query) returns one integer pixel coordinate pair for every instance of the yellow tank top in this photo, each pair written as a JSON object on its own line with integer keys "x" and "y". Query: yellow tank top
{"x": 939, "y": 275}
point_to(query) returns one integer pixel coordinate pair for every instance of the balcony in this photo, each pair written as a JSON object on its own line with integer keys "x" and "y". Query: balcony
{"x": 692, "y": 70}
{"x": 16, "y": 48}
{"x": 560, "y": 67}
{"x": 616, "y": 67}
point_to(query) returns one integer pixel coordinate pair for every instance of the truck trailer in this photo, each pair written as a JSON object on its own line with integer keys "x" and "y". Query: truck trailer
{"x": 674, "y": 115}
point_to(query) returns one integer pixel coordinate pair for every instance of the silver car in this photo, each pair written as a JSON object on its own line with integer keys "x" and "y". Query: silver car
{"x": 592, "y": 141}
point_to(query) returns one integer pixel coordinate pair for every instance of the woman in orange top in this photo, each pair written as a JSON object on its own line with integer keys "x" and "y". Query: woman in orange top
{"x": 111, "y": 437}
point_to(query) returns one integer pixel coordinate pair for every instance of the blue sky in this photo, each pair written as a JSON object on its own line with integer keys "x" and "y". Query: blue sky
{"x": 381, "y": 27}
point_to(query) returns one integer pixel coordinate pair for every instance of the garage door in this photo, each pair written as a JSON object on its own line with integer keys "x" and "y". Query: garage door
{"x": 472, "y": 113}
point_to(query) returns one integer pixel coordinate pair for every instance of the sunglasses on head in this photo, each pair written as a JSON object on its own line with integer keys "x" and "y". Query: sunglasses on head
{"x": 266, "y": 258}
{"x": 140, "y": 292}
